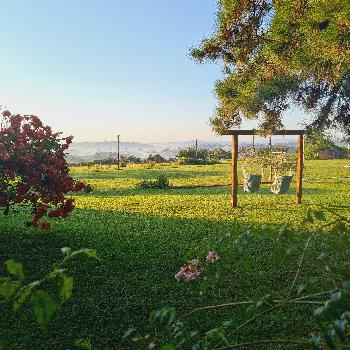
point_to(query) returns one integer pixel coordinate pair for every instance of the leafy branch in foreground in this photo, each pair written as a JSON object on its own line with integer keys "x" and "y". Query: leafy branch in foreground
{"x": 329, "y": 294}
{"x": 15, "y": 290}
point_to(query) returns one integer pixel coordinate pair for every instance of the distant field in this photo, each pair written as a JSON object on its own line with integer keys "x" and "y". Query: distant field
{"x": 325, "y": 183}
{"x": 143, "y": 236}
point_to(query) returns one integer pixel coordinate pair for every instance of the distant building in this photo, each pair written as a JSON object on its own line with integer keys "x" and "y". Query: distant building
{"x": 332, "y": 153}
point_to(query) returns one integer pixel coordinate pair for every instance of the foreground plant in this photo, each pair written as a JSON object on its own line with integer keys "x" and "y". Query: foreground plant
{"x": 16, "y": 291}
{"x": 194, "y": 268}
{"x": 33, "y": 169}
{"x": 331, "y": 304}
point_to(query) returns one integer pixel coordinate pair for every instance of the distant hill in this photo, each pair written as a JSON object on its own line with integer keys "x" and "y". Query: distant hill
{"x": 88, "y": 151}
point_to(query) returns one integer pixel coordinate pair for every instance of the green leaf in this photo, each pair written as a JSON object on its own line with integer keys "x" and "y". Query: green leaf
{"x": 44, "y": 307}
{"x": 319, "y": 311}
{"x": 227, "y": 324}
{"x": 168, "y": 347}
{"x": 322, "y": 257}
{"x": 15, "y": 268}
{"x": 91, "y": 253}
{"x": 346, "y": 316}
{"x": 24, "y": 295}
{"x": 65, "y": 288}
{"x": 83, "y": 344}
{"x": 301, "y": 288}
{"x": 346, "y": 285}
{"x": 330, "y": 338}
{"x": 316, "y": 341}
{"x": 339, "y": 327}
{"x": 216, "y": 335}
{"x": 66, "y": 250}
{"x": 8, "y": 287}
{"x": 336, "y": 296}
{"x": 162, "y": 317}
{"x": 129, "y": 332}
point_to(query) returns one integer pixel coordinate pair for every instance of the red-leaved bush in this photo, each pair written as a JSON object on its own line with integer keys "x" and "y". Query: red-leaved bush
{"x": 33, "y": 169}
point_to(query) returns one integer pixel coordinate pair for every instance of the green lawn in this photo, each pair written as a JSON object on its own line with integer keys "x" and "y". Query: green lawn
{"x": 144, "y": 236}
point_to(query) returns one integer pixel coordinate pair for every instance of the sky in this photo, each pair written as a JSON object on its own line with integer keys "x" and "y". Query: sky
{"x": 98, "y": 68}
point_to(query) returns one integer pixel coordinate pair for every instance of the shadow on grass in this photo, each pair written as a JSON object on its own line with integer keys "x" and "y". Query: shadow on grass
{"x": 139, "y": 256}
{"x": 198, "y": 190}
{"x": 145, "y": 174}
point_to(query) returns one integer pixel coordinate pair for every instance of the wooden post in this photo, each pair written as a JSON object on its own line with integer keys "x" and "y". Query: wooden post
{"x": 234, "y": 170}
{"x": 118, "y": 155}
{"x": 270, "y": 148}
{"x": 300, "y": 168}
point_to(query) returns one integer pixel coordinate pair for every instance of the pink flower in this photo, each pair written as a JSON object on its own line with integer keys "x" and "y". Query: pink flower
{"x": 191, "y": 276}
{"x": 189, "y": 272}
{"x": 180, "y": 274}
{"x": 212, "y": 257}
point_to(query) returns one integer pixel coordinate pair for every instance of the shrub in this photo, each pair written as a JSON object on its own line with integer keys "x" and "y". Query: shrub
{"x": 88, "y": 188}
{"x": 161, "y": 182}
{"x": 33, "y": 168}
{"x": 155, "y": 158}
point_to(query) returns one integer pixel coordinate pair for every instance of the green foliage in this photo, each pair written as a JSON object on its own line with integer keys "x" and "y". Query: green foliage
{"x": 161, "y": 182}
{"x": 163, "y": 321}
{"x": 83, "y": 344}
{"x": 276, "y": 54}
{"x": 332, "y": 328}
{"x": 155, "y": 158}
{"x": 14, "y": 290}
{"x": 202, "y": 156}
{"x": 44, "y": 307}
{"x": 319, "y": 141}
{"x": 88, "y": 188}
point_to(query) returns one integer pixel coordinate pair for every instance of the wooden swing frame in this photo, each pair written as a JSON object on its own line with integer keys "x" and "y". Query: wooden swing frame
{"x": 236, "y": 133}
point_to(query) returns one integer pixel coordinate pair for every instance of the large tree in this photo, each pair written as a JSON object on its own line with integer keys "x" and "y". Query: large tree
{"x": 280, "y": 53}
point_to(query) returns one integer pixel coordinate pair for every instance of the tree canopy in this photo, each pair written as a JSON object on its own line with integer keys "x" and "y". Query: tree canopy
{"x": 280, "y": 53}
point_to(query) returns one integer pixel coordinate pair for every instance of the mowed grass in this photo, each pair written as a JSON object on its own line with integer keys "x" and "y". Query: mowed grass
{"x": 144, "y": 236}
{"x": 325, "y": 183}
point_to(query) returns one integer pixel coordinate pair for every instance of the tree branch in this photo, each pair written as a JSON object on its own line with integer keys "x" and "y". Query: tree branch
{"x": 266, "y": 341}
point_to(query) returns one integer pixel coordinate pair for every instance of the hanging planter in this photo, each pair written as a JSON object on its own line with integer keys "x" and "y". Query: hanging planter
{"x": 281, "y": 184}
{"x": 251, "y": 183}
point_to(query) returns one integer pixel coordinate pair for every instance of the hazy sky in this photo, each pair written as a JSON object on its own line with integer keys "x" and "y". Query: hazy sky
{"x": 96, "y": 68}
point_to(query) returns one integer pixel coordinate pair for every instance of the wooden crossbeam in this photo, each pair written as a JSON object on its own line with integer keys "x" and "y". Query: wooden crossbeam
{"x": 258, "y": 132}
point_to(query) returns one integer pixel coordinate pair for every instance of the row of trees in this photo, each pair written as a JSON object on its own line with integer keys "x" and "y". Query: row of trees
{"x": 319, "y": 141}
{"x": 314, "y": 143}
{"x": 184, "y": 156}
